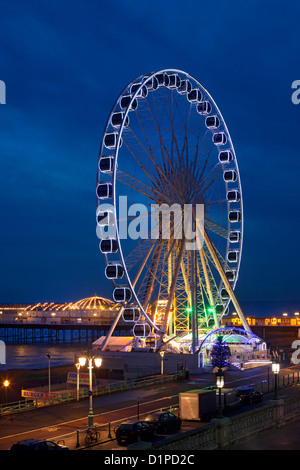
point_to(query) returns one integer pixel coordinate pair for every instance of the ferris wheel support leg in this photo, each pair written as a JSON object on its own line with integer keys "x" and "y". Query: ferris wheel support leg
{"x": 118, "y": 316}
{"x": 200, "y": 237}
{"x": 208, "y": 287}
{"x": 226, "y": 282}
{"x": 195, "y": 338}
{"x": 173, "y": 285}
{"x": 153, "y": 275}
{"x": 112, "y": 328}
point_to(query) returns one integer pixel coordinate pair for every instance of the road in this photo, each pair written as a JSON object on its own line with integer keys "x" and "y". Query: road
{"x": 61, "y": 422}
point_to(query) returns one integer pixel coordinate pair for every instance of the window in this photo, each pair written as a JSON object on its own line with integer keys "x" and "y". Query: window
{"x": 50, "y": 445}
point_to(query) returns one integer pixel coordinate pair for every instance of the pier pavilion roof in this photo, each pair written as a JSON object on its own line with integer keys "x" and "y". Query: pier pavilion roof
{"x": 89, "y": 303}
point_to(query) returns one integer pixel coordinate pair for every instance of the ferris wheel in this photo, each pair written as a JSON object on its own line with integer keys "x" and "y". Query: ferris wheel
{"x": 166, "y": 146}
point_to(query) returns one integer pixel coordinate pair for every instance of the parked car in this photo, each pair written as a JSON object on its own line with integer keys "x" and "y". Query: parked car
{"x": 134, "y": 431}
{"x": 164, "y": 422}
{"x": 38, "y": 444}
{"x": 248, "y": 396}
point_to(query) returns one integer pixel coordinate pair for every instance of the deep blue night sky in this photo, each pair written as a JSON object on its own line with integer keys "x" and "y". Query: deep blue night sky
{"x": 64, "y": 65}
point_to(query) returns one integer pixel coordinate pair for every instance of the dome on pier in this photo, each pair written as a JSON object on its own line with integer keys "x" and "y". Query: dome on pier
{"x": 93, "y": 303}
{"x": 90, "y": 303}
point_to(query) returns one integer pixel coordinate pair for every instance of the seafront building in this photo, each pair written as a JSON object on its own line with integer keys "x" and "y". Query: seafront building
{"x": 99, "y": 310}
{"x": 89, "y": 319}
{"x": 96, "y": 310}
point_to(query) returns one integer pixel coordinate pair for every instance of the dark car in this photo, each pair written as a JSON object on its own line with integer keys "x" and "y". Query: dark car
{"x": 164, "y": 422}
{"x": 134, "y": 431}
{"x": 38, "y": 444}
{"x": 248, "y": 396}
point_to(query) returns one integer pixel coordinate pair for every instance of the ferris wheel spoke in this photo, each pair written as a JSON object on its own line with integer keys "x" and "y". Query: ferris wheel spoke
{"x": 138, "y": 253}
{"x": 146, "y": 172}
{"x": 180, "y": 170}
{"x": 210, "y": 178}
{"x": 213, "y": 203}
{"x": 151, "y": 192}
{"x": 217, "y": 229}
{"x": 163, "y": 172}
{"x": 180, "y": 162}
{"x": 149, "y": 155}
{"x": 200, "y": 181}
{"x": 163, "y": 148}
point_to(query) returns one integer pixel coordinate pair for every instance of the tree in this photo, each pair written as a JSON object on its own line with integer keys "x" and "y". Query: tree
{"x": 220, "y": 353}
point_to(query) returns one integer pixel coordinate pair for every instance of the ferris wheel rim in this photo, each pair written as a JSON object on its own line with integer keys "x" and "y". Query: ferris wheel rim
{"x": 143, "y": 79}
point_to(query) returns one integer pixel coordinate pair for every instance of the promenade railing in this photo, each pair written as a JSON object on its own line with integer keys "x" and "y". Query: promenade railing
{"x": 65, "y": 397}
{"x": 265, "y": 386}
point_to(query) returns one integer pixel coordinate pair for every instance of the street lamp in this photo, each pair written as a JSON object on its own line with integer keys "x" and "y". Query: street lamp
{"x": 275, "y": 370}
{"x": 6, "y": 385}
{"x": 97, "y": 362}
{"x": 220, "y": 385}
{"x": 162, "y": 353}
{"x": 49, "y": 375}
{"x": 77, "y": 381}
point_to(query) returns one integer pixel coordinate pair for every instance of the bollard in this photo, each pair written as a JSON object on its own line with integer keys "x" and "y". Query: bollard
{"x": 109, "y": 434}
{"x": 77, "y": 439}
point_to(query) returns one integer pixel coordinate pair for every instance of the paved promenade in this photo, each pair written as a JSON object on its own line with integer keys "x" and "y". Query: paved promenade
{"x": 283, "y": 438}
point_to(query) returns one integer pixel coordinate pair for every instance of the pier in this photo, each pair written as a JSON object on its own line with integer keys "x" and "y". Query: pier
{"x": 30, "y": 332}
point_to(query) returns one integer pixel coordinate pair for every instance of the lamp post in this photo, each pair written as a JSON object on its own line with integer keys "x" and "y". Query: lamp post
{"x": 6, "y": 385}
{"x": 77, "y": 381}
{"x": 162, "y": 353}
{"x": 220, "y": 385}
{"x": 49, "y": 376}
{"x": 275, "y": 370}
{"x": 97, "y": 361}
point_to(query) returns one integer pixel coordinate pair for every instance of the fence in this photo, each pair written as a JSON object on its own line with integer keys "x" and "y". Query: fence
{"x": 27, "y": 404}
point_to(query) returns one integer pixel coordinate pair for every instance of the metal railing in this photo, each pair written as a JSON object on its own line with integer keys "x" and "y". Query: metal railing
{"x": 28, "y": 404}
{"x": 265, "y": 386}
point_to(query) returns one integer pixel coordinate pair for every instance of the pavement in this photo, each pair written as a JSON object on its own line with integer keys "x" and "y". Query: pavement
{"x": 283, "y": 438}
{"x": 68, "y": 422}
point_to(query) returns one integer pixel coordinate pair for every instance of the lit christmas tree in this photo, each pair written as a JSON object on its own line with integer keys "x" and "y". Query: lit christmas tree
{"x": 220, "y": 353}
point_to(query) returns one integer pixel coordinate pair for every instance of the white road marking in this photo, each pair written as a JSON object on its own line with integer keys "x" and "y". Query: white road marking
{"x": 95, "y": 415}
